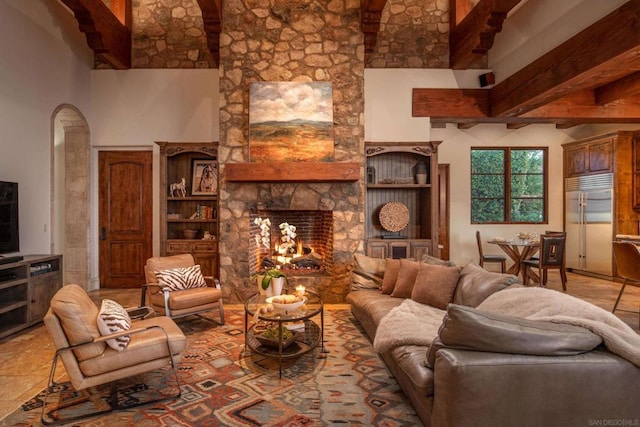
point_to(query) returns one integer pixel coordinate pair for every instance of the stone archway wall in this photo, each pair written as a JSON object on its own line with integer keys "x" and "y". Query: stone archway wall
{"x": 277, "y": 40}
{"x": 75, "y": 236}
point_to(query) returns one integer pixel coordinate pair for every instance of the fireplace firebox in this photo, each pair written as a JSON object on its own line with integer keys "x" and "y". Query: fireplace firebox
{"x": 298, "y": 242}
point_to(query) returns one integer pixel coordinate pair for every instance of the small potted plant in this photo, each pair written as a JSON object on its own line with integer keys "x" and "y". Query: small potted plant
{"x": 272, "y": 282}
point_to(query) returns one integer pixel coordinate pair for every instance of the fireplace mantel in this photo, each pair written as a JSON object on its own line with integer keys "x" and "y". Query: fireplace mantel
{"x": 293, "y": 172}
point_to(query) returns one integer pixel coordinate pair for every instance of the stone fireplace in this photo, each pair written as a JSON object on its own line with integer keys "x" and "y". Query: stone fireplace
{"x": 277, "y": 40}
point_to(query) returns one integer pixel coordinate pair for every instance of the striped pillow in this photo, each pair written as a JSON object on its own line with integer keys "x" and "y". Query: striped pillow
{"x": 178, "y": 279}
{"x": 114, "y": 318}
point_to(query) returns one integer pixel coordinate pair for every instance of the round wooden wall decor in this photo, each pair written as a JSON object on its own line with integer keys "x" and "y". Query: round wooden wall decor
{"x": 394, "y": 216}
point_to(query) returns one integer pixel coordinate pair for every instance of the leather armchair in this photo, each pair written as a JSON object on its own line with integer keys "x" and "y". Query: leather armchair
{"x": 72, "y": 323}
{"x": 179, "y": 303}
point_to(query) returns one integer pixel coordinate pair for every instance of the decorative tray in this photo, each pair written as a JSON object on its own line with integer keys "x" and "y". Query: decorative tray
{"x": 273, "y": 342}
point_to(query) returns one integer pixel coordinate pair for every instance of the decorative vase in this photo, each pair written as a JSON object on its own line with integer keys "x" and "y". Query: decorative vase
{"x": 275, "y": 287}
{"x": 421, "y": 172}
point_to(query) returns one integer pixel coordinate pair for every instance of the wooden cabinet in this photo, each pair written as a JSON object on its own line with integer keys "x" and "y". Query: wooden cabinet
{"x": 26, "y": 288}
{"x": 392, "y": 173}
{"x": 589, "y": 157}
{"x": 192, "y": 208}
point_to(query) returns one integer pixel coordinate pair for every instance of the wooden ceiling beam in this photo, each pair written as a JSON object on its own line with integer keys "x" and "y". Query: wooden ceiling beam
{"x": 471, "y": 38}
{"x": 472, "y": 106}
{"x": 619, "y": 89}
{"x": 370, "y": 16}
{"x": 212, "y": 21}
{"x": 437, "y": 103}
{"x": 109, "y": 38}
{"x": 607, "y": 50}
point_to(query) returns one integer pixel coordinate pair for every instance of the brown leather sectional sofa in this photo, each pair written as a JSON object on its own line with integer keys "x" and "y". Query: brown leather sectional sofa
{"x": 509, "y": 373}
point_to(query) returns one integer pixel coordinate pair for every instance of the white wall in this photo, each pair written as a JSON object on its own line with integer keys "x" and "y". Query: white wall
{"x": 45, "y": 63}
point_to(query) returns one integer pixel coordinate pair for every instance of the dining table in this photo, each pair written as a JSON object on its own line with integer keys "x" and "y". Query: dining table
{"x": 518, "y": 250}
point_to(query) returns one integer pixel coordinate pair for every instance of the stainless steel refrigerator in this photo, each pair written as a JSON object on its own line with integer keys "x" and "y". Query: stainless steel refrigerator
{"x": 588, "y": 223}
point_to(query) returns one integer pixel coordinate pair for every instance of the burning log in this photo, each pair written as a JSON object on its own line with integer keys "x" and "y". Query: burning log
{"x": 310, "y": 260}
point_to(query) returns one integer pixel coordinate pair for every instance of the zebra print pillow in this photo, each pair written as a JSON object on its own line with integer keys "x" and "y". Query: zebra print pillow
{"x": 114, "y": 318}
{"x": 178, "y": 279}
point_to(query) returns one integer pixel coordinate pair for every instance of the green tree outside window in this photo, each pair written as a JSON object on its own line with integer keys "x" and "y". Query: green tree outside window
{"x": 508, "y": 185}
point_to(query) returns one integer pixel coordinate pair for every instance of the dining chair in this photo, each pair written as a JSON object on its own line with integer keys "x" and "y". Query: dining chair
{"x": 490, "y": 258}
{"x": 564, "y": 233}
{"x": 552, "y": 257}
{"x": 627, "y": 261}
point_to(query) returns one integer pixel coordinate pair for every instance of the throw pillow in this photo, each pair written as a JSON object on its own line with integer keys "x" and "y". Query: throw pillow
{"x": 435, "y": 285}
{"x": 406, "y": 278}
{"x": 392, "y": 267}
{"x": 113, "y": 318}
{"x": 428, "y": 259}
{"x": 476, "y": 284}
{"x": 177, "y": 279}
{"x": 367, "y": 272}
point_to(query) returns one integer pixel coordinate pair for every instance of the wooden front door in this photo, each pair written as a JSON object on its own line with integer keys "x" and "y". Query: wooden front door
{"x": 443, "y": 209}
{"x": 125, "y": 217}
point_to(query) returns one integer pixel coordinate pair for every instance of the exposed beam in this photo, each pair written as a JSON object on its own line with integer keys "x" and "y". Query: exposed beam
{"x": 439, "y": 103}
{"x": 109, "y": 38}
{"x": 472, "y": 106}
{"x": 458, "y": 9}
{"x": 212, "y": 20}
{"x": 605, "y": 51}
{"x": 370, "y": 15}
{"x": 471, "y": 39}
{"x": 619, "y": 89}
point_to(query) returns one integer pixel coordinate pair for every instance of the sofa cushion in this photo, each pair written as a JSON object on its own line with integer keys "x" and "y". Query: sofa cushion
{"x": 428, "y": 259}
{"x": 178, "y": 279}
{"x": 367, "y": 272}
{"x": 113, "y": 318}
{"x": 435, "y": 285}
{"x": 406, "y": 278}
{"x": 392, "y": 268}
{"x": 369, "y": 307}
{"x": 476, "y": 284}
{"x": 472, "y": 329}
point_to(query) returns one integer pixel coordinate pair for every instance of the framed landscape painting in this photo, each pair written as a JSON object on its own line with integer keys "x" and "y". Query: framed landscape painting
{"x": 290, "y": 121}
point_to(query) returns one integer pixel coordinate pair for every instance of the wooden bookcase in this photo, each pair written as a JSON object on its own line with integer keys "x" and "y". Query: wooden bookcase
{"x": 391, "y": 177}
{"x": 26, "y": 288}
{"x": 177, "y": 211}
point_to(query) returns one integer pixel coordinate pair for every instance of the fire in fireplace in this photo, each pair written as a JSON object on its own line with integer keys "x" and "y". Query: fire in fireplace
{"x": 295, "y": 241}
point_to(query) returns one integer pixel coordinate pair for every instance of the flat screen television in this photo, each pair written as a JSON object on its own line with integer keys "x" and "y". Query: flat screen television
{"x": 9, "y": 231}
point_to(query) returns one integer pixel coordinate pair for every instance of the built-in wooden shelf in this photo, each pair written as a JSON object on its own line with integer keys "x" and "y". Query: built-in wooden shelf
{"x": 293, "y": 172}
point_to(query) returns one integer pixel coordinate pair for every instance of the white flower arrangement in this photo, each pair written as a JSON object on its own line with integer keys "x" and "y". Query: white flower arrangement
{"x": 264, "y": 238}
{"x": 288, "y": 232}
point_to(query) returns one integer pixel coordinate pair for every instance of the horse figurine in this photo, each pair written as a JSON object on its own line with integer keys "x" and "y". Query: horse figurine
{"x": 179, "y": 187}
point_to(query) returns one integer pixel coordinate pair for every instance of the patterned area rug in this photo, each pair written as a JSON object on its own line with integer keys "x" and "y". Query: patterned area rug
{"x": 222, "y": 385}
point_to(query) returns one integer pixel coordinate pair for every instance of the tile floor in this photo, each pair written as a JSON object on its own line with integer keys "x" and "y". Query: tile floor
{"x": 25, "y": 357}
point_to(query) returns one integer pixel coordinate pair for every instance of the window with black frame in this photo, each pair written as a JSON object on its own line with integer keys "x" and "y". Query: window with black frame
{"x": 508, "y": 185}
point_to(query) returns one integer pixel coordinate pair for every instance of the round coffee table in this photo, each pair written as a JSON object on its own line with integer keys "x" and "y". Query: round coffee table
{"x": 302, "y": 342}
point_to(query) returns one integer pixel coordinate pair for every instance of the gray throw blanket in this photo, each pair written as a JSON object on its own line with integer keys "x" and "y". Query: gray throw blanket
{"x": 553, "y": 306}
{"x": 410, "y": 323}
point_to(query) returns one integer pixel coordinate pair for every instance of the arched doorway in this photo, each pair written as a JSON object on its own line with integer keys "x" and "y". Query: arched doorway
{"x": 70, "y": 192}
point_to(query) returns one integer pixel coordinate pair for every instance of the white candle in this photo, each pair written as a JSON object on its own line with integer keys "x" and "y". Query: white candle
{"x": 300, "y": 290}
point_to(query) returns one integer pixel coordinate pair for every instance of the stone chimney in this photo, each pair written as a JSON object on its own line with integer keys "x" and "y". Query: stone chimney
{"x": 277, "y": 40}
